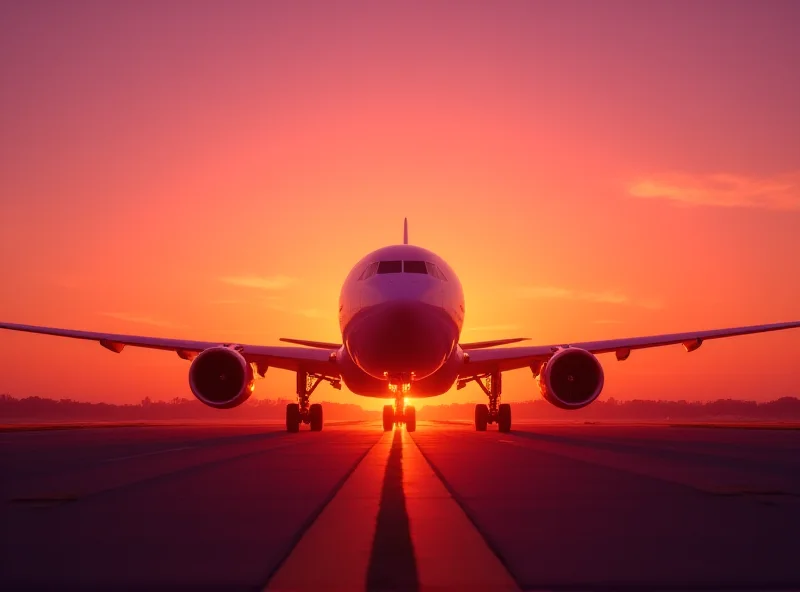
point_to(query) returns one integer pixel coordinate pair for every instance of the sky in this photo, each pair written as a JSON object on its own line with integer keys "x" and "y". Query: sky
{"x": 212, "y": 170}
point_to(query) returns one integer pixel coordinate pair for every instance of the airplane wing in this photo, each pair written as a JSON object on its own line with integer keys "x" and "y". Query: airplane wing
{"x": 307, "y": 343}
{"x": 317, "y": 361}
{"x": 494, "y": 343}
{"x": 484, "y": 361}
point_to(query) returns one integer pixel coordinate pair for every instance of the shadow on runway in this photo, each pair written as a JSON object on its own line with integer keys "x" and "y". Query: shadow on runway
{"x": 392, "y": 565}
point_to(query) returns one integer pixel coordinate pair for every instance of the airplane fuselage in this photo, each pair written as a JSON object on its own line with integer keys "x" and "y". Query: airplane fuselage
{"x": 401, "y": 311}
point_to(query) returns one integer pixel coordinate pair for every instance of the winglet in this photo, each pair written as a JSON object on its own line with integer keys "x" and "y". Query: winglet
{"x": 405, "y": 231}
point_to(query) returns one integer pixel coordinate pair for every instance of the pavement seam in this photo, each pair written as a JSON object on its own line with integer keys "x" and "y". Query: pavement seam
{"x": 695, "y": 489}
{"x": 312, "y": 518}
{"x": 652, "y": 449}
{"x": 147, "y": 481}
{"x": 643, "y": 587}
{"x": 464, "y": 508}
{"x": 198, "y": 444}
{"x": 16, "y": 428}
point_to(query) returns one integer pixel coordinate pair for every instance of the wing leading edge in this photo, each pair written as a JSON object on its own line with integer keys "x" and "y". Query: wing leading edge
{"x": 308, "y": 343}
{"x": 314, "y": 360}
{"x": 493, "y": 343}
{"x": 483, "y": 361}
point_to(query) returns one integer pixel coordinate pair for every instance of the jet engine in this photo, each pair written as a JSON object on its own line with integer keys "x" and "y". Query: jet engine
{"x": 220, "y": 377}
{"x": 572, "y": 378}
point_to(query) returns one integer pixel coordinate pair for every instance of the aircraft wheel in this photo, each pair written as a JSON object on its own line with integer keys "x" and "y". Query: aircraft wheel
{"x": 481, "y": 417}
{"x": 293, "y": 417}
{"x": 504, "y": 417}
{"x": 388, "y": 418}
{"x": 411, "y": 419}
{"x": 315, "y": 417}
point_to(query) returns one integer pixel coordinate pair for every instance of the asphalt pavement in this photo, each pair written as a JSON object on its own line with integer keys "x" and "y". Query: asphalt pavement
{"x": 250, "y": 507}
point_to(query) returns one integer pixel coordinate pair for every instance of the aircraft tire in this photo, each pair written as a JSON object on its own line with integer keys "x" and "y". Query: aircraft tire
{"x": 481, "y": 417}
{"x": 411, "y": 419}
{"x": 504, "y": 417}
{"x": 388, "y": 418}
{"x": 315, "y": 417}
{"x": 292, "y": 417}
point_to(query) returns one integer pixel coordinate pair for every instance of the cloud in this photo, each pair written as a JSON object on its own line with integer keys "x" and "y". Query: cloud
{"x": 778, "y": 192}
{"x": 274, "y": 282}
{"x": 138, "y": 319}
{"x": 603, "y": 297}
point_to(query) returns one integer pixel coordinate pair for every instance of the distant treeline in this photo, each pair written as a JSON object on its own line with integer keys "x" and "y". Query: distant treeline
{"x": 41, "y": 409}
{"x": 784, "y": 409}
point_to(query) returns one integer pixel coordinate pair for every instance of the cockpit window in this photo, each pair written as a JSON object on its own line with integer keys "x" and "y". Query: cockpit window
{"x": 415, "y": 267}
{"x": 390, "y": 267}
{"x": 435, "y": 271}
{"x": 369, "y": 271}
{"x": 421, "y": 267}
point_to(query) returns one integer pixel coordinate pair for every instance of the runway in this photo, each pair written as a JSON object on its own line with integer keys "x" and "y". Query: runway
{"x": 250, "y": 507}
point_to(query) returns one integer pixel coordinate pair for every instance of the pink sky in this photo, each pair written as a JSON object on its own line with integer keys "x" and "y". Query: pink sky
{"x": 212, "y": 170}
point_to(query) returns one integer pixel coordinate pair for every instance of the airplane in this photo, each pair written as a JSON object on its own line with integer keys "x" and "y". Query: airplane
{"x": 401, "y": 310}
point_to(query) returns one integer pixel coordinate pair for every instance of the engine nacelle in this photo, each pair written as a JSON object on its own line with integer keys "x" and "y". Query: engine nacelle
{"x": 572, "y": 378}
{"x": 220, "y": 377}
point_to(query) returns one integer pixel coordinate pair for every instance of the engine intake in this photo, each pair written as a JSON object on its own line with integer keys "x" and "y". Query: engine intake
{"x": 572, "y": 378}
{"x": 220, "y": 377}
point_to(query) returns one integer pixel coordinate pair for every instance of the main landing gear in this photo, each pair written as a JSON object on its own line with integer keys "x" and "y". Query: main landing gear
{"x": 302, "y": 411}
{"x": 494, "y": 412}
{"x": 399, "y": 414}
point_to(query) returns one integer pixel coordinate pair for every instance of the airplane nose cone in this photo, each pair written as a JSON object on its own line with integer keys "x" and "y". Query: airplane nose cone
{"x": 399, "y": 338}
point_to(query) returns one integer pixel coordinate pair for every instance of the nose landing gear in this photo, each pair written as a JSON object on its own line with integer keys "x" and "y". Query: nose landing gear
{"x": 494, "y": 412}
{"x": 399, "y": 413}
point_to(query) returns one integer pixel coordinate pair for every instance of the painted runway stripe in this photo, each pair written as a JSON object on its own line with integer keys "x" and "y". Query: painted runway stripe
{"x": 334, "y": 552}
{"x": 450, "y": 552}
{"x": 392, "y": 526}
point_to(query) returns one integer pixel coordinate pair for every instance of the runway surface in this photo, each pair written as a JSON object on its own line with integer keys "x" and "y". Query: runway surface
{"x": 571, "y": 507}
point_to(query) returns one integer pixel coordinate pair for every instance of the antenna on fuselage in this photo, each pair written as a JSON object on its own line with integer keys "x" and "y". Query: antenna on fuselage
{"x": 405, "y": 231}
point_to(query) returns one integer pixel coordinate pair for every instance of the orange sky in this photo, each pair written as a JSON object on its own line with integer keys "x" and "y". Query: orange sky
{"x": 213, "y": 171}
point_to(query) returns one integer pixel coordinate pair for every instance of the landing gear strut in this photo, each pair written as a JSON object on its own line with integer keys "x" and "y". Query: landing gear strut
{"x": 302, "y": 411}
{"x": 399, "y": 413}
{"x": 494, "y": 412}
